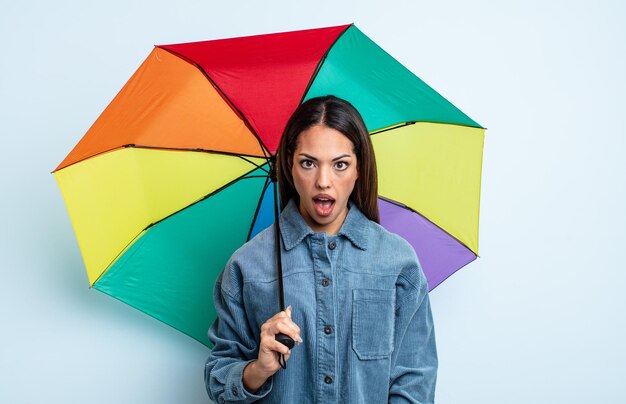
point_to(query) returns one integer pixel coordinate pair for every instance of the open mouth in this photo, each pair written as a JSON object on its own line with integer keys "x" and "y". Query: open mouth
{"x": 323, "y": 204}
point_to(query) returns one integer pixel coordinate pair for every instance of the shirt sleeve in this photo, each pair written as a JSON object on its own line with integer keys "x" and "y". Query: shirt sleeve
{"x": 414, "y": 360}
{"x": 235, "y": 347}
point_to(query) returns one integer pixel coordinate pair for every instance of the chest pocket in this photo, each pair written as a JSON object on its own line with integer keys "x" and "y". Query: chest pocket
{"x": 373, "y": 314}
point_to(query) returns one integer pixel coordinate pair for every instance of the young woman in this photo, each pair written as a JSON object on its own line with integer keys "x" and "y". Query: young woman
{"x": 358, "y": 303}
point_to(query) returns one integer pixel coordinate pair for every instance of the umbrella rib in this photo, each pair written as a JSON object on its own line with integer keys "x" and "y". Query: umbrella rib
{"x": 396, "y": 126}
{"x": 122, "y": 251}
{"x": 403, "y": 206}
{"x": 199, "y": 150}
{"x": 255, "y": 164}
{"x": 258, "y": 208}
{"x": 228, "y": 100}
{"x": 407, "y": 123}
{"x": 241, "y": 177}
{"x": 195, "y": 149}
{"x": 321, "y": 62}
{"x": 457, "y": 270}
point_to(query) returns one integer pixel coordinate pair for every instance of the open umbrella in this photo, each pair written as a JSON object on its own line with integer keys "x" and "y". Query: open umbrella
{"x": 173, "y": 175}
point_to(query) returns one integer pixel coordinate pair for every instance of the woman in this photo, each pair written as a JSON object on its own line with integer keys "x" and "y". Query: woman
{"x": 359, "y": 309}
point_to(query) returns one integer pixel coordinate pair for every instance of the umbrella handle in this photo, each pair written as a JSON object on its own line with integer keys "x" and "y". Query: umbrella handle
{"x": 289, "y": 343}
{"x": 286, "y": 340}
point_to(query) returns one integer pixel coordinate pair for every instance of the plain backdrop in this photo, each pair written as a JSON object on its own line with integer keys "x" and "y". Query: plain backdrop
{"x": 539, "y": 318}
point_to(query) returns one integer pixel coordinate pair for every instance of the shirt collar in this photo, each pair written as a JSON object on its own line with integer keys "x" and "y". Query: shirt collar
{"x": 294, "y": 229}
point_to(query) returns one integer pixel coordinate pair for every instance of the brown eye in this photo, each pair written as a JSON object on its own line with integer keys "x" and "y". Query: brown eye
{"x": 306, "y": 164}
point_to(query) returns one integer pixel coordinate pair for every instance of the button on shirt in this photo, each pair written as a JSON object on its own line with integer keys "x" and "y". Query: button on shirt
{"x": 360, "y": 299}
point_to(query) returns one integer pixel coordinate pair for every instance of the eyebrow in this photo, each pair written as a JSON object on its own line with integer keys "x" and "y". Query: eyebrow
{"x": 315, "y": 158}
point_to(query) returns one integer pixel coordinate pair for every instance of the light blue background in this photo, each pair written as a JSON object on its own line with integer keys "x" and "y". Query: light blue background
{"x": 539, "y": 318}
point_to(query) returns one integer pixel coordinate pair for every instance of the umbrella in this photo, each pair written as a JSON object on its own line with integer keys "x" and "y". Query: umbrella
{"x": 173, "y": 176}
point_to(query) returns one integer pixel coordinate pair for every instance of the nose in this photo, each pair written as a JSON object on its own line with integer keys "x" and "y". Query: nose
{"x": 323, "y": 178}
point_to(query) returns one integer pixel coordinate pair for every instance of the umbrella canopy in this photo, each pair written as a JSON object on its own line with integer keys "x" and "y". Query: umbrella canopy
{"x": 173, "y": 176}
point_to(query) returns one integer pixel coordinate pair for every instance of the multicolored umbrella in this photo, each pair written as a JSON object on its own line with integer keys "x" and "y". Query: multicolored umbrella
{"x": 173, "y": 176}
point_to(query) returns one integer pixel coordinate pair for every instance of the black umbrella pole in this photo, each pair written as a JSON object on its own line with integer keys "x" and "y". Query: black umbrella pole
{"x": 282, "y": 338}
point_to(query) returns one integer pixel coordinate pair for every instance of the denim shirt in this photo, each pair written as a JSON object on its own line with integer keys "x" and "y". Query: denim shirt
{"x": 360, "y": 299}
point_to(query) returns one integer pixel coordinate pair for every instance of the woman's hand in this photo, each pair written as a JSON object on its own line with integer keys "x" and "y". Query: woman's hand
{"x": 257, "y": 372}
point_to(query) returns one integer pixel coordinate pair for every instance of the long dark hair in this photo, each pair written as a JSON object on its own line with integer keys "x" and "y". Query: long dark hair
{"x": 340, "y": 115}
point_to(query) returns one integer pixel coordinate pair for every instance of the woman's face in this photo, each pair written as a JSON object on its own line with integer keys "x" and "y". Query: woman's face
{"x": 324, "y": 172}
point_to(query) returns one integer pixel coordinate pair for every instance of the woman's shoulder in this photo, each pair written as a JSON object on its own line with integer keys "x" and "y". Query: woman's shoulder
{"x": 257, "y": 247}
{"x": 367, "y": 233}
{"x": 380, "y": 238}
{"x": 397, "y": 252}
